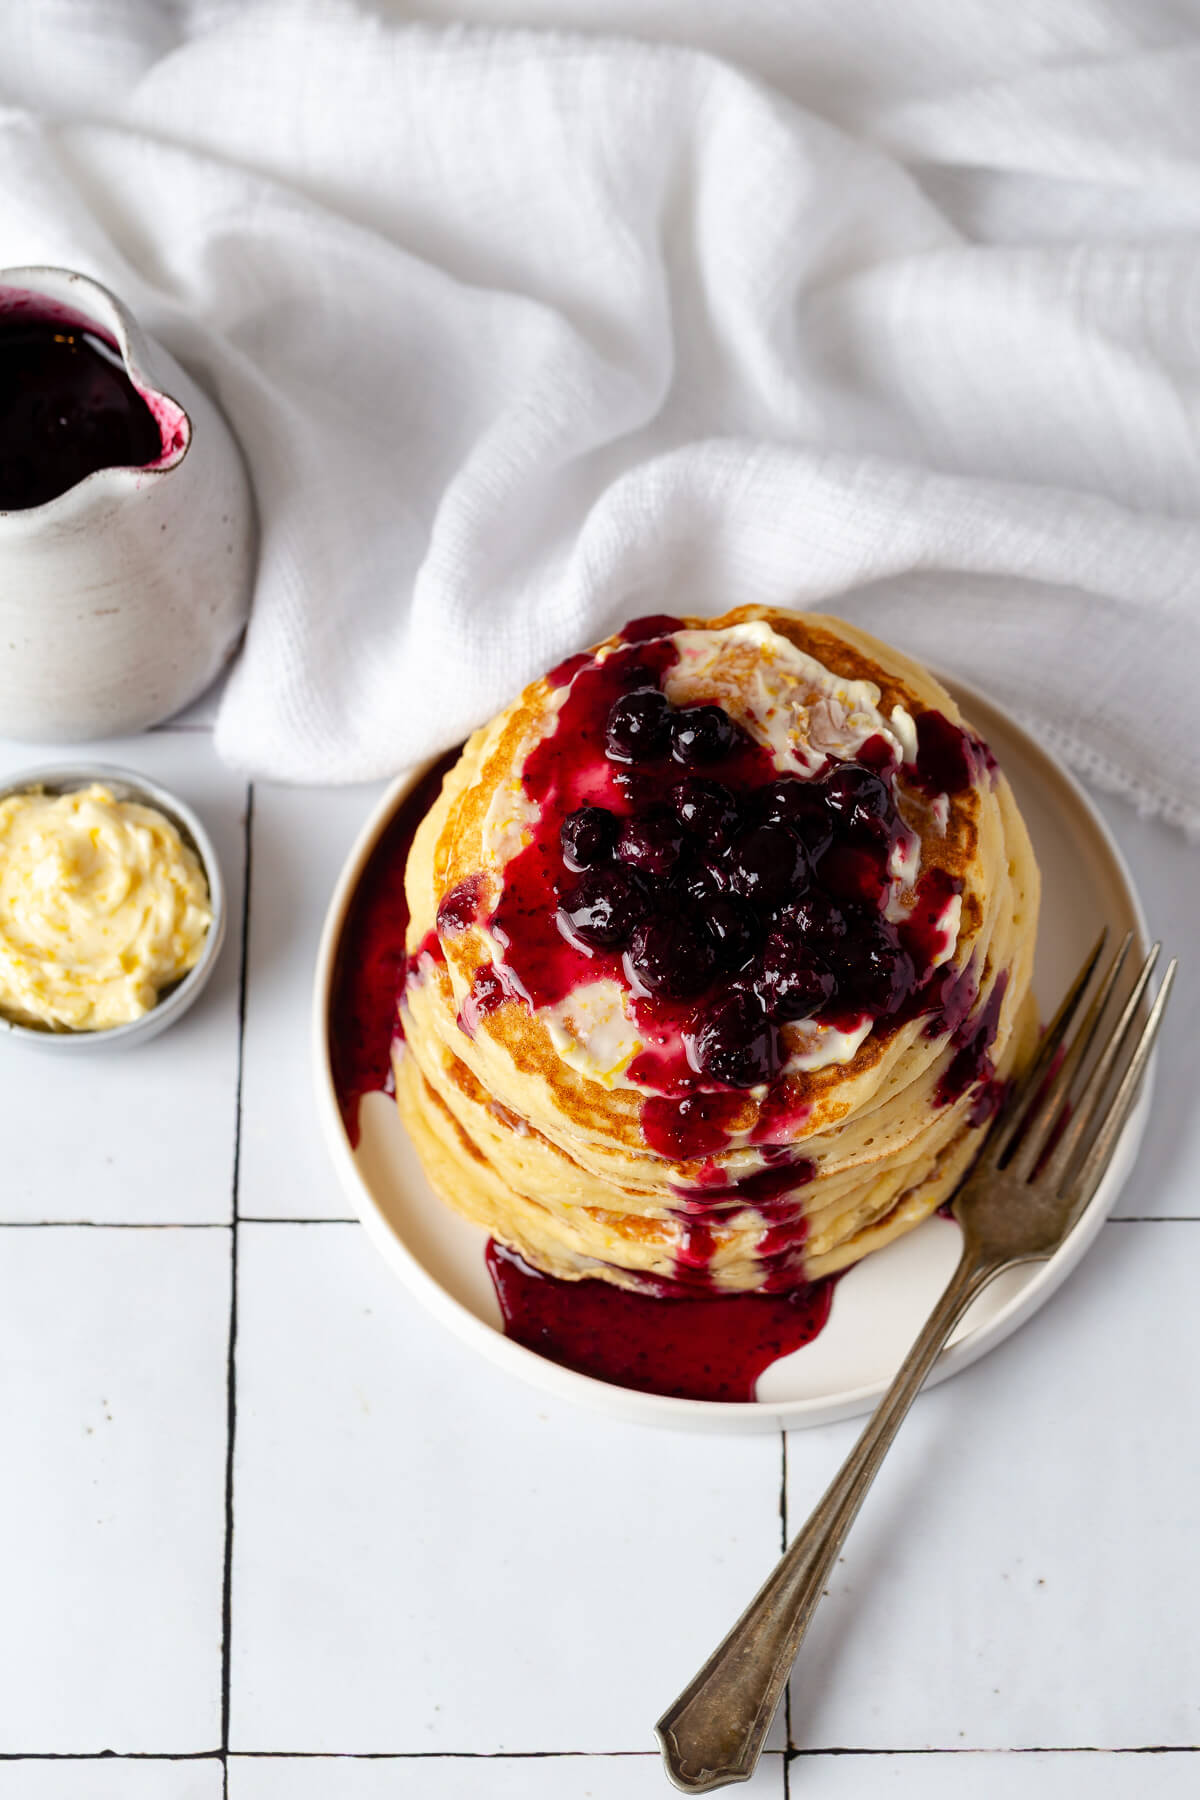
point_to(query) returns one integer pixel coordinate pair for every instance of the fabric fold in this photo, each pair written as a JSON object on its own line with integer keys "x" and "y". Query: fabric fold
{"x": 524, "y": 331}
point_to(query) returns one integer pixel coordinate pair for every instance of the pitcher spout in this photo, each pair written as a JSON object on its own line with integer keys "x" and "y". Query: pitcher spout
{"x": 127, "y": 539}
{"x": 77, "y": 400}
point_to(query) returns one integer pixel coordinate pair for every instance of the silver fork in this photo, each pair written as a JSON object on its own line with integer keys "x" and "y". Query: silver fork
{"x": 1024, "y": 1193}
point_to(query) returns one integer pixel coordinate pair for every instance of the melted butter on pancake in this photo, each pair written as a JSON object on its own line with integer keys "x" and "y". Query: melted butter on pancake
{"x": 947, "y": 929}
{"x": 903, "y": 867}
{"x": 813, "y": 1045}
{"x": 791, "y": 703}
{"x": 511, "y": 820}
{"x": 592, "y": 1032}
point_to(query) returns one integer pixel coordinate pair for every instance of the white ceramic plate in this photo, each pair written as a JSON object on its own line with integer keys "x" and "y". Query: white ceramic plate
{"x": 880, "y": 1304}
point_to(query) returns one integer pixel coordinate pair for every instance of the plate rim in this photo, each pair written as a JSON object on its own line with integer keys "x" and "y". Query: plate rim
{"x": 630, "y": 1404}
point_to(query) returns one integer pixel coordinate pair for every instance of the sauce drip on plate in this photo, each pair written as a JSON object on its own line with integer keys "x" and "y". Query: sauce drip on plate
{"x": 368, "y": 977}
{"x": 678, "y": 1341}
{"x": 711, "y": 1347}
{"x": 774, "y": 887}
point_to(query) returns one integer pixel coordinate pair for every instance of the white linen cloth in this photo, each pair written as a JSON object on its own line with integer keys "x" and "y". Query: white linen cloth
{"x": 893, "y": 310}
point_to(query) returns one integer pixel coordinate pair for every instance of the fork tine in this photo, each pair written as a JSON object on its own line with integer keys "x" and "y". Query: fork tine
{"x": 1096, "y": 1161}
{"x": 1000, "y": 1136}
{"x": 1043, "y": 1113}
{"x": 1086, "y": 1102}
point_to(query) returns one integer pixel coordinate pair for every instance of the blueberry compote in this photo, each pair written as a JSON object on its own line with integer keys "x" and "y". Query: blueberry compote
{"x": 371, "y": 966}
{"x": 732, "y": 902}
{"x": 729, "y": 899}
{"x": 67, "y": 408}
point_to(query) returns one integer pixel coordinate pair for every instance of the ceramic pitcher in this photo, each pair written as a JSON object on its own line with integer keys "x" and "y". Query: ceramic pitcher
{"x": 121, "y": 598}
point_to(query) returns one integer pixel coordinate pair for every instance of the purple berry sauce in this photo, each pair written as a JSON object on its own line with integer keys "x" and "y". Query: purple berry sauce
{"x": 672, "y": 856}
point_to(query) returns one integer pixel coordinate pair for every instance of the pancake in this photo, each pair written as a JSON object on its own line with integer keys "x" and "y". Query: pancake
{"x": 720, "y": 948}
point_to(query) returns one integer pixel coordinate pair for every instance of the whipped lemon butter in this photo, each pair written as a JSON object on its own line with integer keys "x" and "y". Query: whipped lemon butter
{"x": 102, "y": 904}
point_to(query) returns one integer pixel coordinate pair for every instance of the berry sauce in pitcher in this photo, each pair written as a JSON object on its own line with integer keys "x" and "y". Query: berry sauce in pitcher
{"x": 67, "y": 408}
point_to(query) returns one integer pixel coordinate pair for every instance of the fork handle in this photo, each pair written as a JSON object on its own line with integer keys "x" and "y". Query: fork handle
{"x": 714, "y": 1732}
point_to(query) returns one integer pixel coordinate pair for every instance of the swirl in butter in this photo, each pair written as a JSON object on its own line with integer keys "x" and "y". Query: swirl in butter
{"x": 102, "y": 904}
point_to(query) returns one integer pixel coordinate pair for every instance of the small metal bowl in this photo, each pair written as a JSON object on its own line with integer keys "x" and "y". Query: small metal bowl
{"x": 174, "y": 999}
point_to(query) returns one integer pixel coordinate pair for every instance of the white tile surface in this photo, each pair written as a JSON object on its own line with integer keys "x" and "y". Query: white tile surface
{"x": 142, "y": 1134}
{"x": 1166, "y": 870}
{"x": 120, "y": 1779}
{"x": 429, "y": 1556}
{"x": 429, "y": 1559}
{"x": 1025, "y": 1571}
{"x": 112, "y": 1418}
{"x": 300, "y": 840}
{"x": 999, "y": 1775}
{"x": 467, "y": 1778}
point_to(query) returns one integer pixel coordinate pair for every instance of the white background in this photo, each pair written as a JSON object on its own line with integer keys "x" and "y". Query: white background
{"x": 349, "y": 1561}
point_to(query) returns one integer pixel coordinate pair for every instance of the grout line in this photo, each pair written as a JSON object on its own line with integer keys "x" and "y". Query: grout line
{"x": 7, "y": 1756}
{"x": 227, "y": 1577}
{"x": 231, "y": 1365}
{"x": 114, "y": 1224}
{"x": 160, "y": 1224}
{"x": 258, "y": 1219}
{"x": 783, "y": 1544}
{"x": 454, "y": 1755}
{"x": 1008, "y": 1750}
{"x": 109, "y": 1755}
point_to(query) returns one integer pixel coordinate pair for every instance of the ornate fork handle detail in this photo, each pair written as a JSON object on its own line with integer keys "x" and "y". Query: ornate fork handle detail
{"x": 1023, "y": 1196}
{"x": 714, "y": 1732}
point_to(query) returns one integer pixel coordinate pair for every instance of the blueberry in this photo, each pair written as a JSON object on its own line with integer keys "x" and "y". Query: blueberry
{"x": 790, "y": 799}
{"x": 767, "y": 864}
{"x": 855, "y": 872}
{"x": 734, "y": 930}
{"x": 790, "y": 980}
{"x": 652, "y": 840}
{"x": 815, "y": 919}
{"x": 703, "y": 881}
{"x": 702, "y": 734}
{"x": 799, "y": 804}
{"x": 734, "y": 1041}
{"x": 857, "y": 798}
{"x": 671, "y": 955}
{"x": 707, "y": 811}
{"x": 639, "y": 788}
{"x": 637, "y": 728}
{"x": 460, "y": 907}
{"x": 874, "y": 971}
{"x": 603, "y": 907}
{"x": 588, "y": 836}
{"x": 815, "y": 833}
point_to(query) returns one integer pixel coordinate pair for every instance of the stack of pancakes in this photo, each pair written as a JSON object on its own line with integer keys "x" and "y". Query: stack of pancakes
{"x": 586, "y": 1130}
